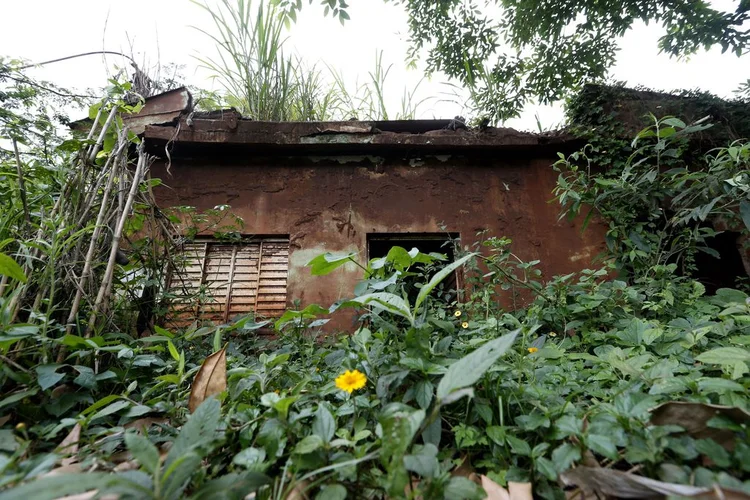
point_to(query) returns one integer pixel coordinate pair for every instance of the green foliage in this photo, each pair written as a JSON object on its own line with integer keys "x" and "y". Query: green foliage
{"x": 11, "y": 269}
{"x": 264, "y": 83}
{"x": 531, "y": 51}
{"x": 511, "y": 392}
{"x": 574, "y": 372}
{"x": 661, "y": 204}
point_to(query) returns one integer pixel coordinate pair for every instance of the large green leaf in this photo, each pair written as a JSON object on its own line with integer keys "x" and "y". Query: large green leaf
{"x": 17, "y": 397}
{"x": 47, "y": 375}
{"x": 310, "y": 312}
{"x": 51, "y": 487}
{"x": 383, "y": 300}
{"x": 143, "y": 450}
{"x": 467, "y": 370}
{"x": 308, "y": 445}
{"x": 724, "y": 356}
{"x": 232, "y": 486}
{"x": 198, "y": 431}
{"x": 324, "y": 424}
{"x": 327, "y": 262}
{"x": 438, "y": 277}
{"x": 178, "y": 474}
{"x": 11, "y": 269}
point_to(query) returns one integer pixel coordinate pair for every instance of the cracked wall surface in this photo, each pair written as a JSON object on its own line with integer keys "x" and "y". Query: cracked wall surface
{"x": 326, "y": 205}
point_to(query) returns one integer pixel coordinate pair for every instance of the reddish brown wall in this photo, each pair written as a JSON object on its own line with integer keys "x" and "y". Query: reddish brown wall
{"x": 332, "y": 204}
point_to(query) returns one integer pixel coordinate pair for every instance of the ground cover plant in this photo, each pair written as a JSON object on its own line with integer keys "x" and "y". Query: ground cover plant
{"x": 594, "y": 381}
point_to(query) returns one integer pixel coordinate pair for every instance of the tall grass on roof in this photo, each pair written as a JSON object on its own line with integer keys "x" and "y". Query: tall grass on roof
{"x": 263, "y": 82}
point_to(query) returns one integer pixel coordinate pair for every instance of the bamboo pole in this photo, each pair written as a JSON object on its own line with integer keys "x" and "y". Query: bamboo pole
{"x": 92, "y": 246}
{"x": 106, "y": 280}
{"x": 96, "y": 121}
{"x": 97, "y": 146}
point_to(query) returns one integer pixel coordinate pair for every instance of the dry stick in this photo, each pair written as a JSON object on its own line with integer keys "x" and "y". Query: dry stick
{"x": 92, "y": 245}
{"x": 95, "y": 53}
{"x": 3, "y": 284}
{"x": 96, "y": 147}
{"x": 90, "y": 198}
{"x": 96, "y": 122}
{"x": 21, "y": 185}
{"x": 116, "y": 241}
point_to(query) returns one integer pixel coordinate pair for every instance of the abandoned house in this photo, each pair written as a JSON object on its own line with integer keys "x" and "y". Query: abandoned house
{"x": 305, "y": 188}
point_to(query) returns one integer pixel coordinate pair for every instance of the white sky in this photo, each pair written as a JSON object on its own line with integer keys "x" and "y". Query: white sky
{"x": 46, "y": 29}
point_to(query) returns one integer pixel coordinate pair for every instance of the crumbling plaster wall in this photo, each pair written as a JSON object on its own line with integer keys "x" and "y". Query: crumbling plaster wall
{"x": 331, "y": 204}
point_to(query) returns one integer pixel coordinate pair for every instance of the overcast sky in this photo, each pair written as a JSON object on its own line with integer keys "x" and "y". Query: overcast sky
{"x": 161, "y": 30}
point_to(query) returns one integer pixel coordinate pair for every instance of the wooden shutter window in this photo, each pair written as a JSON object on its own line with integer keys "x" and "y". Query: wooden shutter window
{"x": 237, "y": 279}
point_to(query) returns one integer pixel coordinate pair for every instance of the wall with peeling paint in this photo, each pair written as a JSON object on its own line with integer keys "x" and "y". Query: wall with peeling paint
{"x": 333, "y": 203}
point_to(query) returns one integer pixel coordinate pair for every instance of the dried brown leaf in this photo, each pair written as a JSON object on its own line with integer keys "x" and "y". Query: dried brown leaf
{"x": 126, "y": 466}
{"x": 718, "y": 493}
{"x": 89, "y": 495}
{"x": 520, "y": 491}
{"x": 69, "y": 446}
{"x": 210, "y": 380}
{"x": 694, "y": 417}
{"x": 623, "y": 485}
{"x": 494, "y": 491}
{"x": 4, "y": 420}
{"x": 64, "y": 469}
{"x": 299, "y": 491}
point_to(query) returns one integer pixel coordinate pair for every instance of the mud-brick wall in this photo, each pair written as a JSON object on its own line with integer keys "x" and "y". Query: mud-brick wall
{"x": 332, "y": 204}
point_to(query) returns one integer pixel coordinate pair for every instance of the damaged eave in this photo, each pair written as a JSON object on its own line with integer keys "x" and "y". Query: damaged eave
{"x": 364, "y": 135}
{"x": 164, "y": 108}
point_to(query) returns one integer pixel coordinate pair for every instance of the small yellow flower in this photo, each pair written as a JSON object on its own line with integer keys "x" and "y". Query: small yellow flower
{"x": 317, "y": 369}
{"x": 552, "y": 334}
{"x": 533, "y": 349}
{"x": 351, "y": 380}
{"x": 457, "y": 314}
{"x": 20, "y": 427}
{"x": 276, "y": 391}
{"x": 465, "y": 324}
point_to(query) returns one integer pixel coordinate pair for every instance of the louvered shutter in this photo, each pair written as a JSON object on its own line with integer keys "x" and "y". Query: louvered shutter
{"x": 274, "y": 268}
{"x": 237, "y": 279}
{"x": 185, "y": 284}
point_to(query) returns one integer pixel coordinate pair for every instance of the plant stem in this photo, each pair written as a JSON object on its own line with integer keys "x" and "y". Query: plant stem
{"x": 21, "y": 185}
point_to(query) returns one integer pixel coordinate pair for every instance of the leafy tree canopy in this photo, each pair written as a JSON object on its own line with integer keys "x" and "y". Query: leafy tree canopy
{"x": 511, "y": 52}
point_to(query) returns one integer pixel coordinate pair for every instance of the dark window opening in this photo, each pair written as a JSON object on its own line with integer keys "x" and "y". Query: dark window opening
{"x": 725, "y": 272}
{"x": 378, "y": 245}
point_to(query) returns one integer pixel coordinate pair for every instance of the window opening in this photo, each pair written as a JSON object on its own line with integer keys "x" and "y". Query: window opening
{"x": 217, "y": 281}
{"x": 379, "y": 244}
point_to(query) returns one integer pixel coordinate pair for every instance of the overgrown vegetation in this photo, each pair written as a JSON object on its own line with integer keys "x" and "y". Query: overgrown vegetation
{"x": 603, "y": 378}
{"x": 513, "y": 52}
{"x": 264, "y": 83}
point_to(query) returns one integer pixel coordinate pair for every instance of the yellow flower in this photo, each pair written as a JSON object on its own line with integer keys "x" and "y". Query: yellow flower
{"x": 533, "y": 349}
{"x": 351, "y": 380}
{"x": 457, "y": 314}
{"x": 465, "y": 324}
{"x": 276, "y": 391}
{"x": 552, "y": 334}
{"x": 20, "y": 427}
